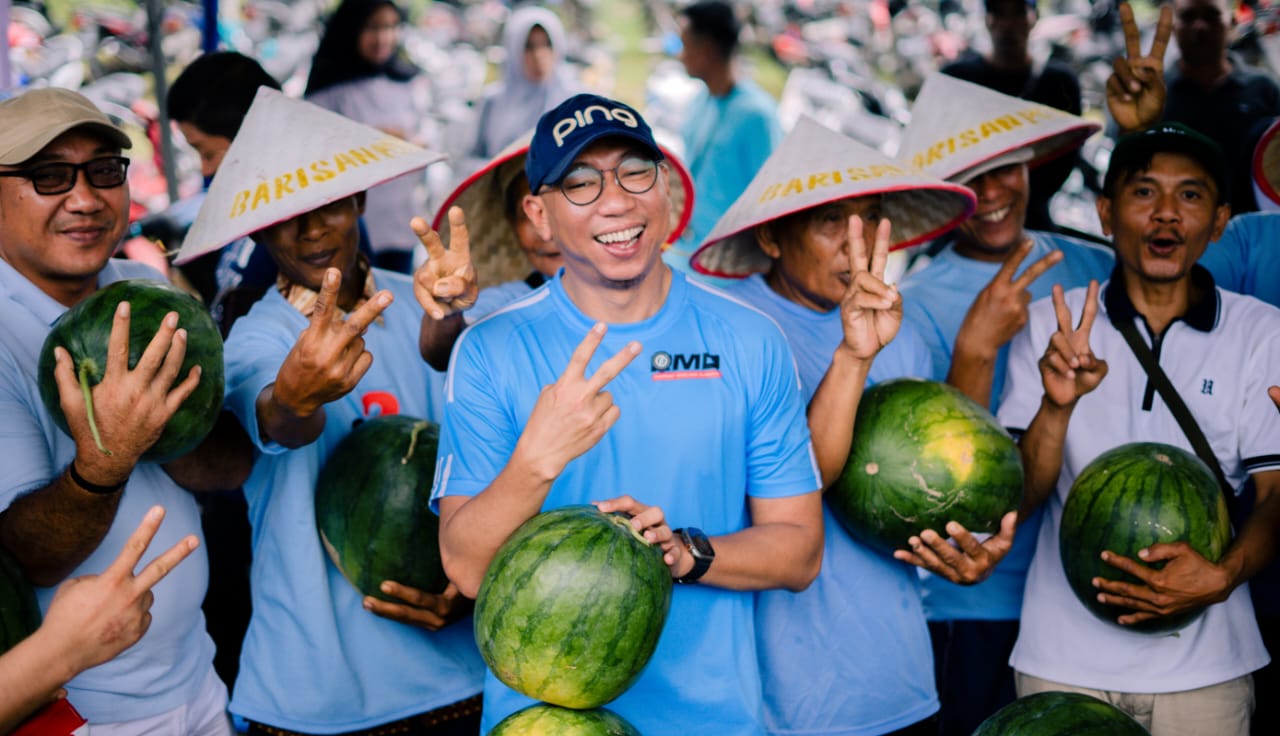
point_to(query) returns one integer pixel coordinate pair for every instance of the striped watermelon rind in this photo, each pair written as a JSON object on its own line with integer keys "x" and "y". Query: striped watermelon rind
{"x": 372, "y": 508}
{"x": 552, "y": 720}
{"x": 1060, "y": 714}
{"x": 19, "y": 610}
{"x": 924, "y": 454}
{"x": 1129, "y": 498}
{"x": 571, "y": 607}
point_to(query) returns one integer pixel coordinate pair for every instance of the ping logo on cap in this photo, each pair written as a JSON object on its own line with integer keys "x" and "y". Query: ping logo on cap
{"x": 586, "y": 116}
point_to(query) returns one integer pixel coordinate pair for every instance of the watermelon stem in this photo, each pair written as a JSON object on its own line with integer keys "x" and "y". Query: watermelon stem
{"x": 83, "y": 373}
{"x": 624, "y": 521}
{"x": 413, "y": 441}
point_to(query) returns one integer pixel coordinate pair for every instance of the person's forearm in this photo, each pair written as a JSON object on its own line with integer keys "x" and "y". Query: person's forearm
{"x": 1255, "y": 544}
{"x": 973, "y": 371}
{"x": 30, "y": 675}
{"x": 51, "y": 530}
{"x": 221, "y": 462}
{"x": 832, "y": 411}
{"x": 285, "y": 425}
{"x": 436, "y": 338}
{"x": 1041, "y": 447}
{"x": 768, "y": 556}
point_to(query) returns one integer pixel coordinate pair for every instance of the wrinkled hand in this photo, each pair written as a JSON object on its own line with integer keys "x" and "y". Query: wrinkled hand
{"x": 1000, "y": 309}
{"x": 967, "y": 561}
{"x": 651, "y": 523}
{"x": 99, "y": 616}
{"x": 871, "y": 310}
{"x": 329, "y": 358}
{"x": 431, "y": 611}
{"x": 130, "y": 407}
{"x": 446, "y": 282}
{"x": 1187, "y": 580}
{"x": 572, "y": 414}
{"x": 1069, "y": 369}
{"x": 1136, "y": 91}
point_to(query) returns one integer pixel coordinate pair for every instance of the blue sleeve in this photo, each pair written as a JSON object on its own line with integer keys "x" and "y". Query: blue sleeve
{"x": 28, "y": 461}
{"x": 930, "y": 336}
{"x": 254, "y": 352}
{"x": 780, "y": 459}
{"x": 1228, "y": 257}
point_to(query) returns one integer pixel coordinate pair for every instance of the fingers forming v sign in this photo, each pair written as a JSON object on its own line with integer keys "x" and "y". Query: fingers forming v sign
{"x": 572, "y": 414}
{"x": 446, "y": 283}
{"x": 1136, "y": 91}
{"x": 871, "y": 310}
{"x": 1000, "y": 309}
{"x": 1069, "y": 369}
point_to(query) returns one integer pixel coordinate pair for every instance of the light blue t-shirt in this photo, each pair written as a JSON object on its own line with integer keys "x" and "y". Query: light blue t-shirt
{"x": 168, "y": 666}
{"x": 711, "y": 414}
{"x": 851, "y": 654}
{"x": 493, "y": 298}
{"x": 1246, "y": 259}
{"x": 313, "y": 659}
{"x": 936, "y": 299}
{"x": 726, "y": 141}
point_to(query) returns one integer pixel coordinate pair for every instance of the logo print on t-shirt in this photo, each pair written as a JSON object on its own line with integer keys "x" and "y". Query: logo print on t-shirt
{"x": 1206, "y": 387}
{"x": 665, "y": 366}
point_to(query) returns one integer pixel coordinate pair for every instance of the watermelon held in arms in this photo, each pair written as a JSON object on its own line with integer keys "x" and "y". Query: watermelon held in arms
{"x": 372, "y": 506}
{"x": 924, "y": 454}
{"x": 19, "y": 611}
{"x": 85, "y": 330}
{"x": 552, "y": 720}
{"x": 1129, "y": 498}
{"x": 571, "y": 607}
{"x": 1060, "y": 714}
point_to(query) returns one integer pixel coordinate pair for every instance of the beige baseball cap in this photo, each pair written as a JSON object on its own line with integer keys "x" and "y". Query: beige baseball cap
{"x": 35, "y": 118}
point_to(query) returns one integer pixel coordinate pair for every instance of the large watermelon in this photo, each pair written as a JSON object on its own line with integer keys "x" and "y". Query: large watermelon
{"x": 1129, "y": 498}
{"x": 924, "y": 454}
{"x": 371, "y": 506}
{"x": 552, "y": 720}
{"x": 19, "y": 611}
{"x": 85, "y": 329}
{"x": 1060, "y": 714}
{"x": 571, "y": 607}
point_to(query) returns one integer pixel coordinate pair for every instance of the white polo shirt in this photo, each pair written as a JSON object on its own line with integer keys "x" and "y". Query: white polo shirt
{"x": 1220, "y": 356}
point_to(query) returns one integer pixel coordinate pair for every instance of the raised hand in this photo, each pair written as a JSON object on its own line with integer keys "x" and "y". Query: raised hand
{"x": 1000, "y": 309}
{"x": 1068, "y": 368}
{"x": 651, "y": 523}
{"x": 965, "y": 562}
{"x": 446, "y": 282}
{"x": 871, "y": 310}
{"x": 572, "y": 414}
{"x": 130, "y": 406}
{"x": 329, "y": 358}
{"x": 431, "y": 611}
{"x": 1136, "y": 91}
{"x": 1184, "y": 580}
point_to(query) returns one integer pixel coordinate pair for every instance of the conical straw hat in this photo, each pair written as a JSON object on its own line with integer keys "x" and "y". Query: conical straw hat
{"x": 959, "y": 130}
{"x": 291, "y": 157}
{"x": 814, "y": 165}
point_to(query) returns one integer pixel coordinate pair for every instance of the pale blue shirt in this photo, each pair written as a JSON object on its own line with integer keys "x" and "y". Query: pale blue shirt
{"x": 313, "y": 659}
{"x": 168, "y": 666}
{"x": 1246, "y": 259}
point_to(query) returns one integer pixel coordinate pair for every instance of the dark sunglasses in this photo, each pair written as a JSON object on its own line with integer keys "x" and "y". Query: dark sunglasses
{"x": 57, "y": 178}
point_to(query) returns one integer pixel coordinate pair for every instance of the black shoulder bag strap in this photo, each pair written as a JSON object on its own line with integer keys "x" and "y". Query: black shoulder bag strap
{"x": 1180, "y": 411}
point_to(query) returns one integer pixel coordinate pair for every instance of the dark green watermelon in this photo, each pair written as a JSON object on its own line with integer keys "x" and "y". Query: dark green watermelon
{"x": 924, "y": 454}
{"x": 1060, "y": 714}
{"x": 1132, "y": 497}
{"x": 552, "y": 720}
{"x": 19, "y": 611}
{"x": 372, "y": 506}
{"x": 85, "y": 330}
{"x": 571, "y": 607}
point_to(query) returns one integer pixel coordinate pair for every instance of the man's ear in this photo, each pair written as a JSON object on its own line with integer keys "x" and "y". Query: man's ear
{"x": 767, "y": 240}
{"x": 536, "y": 211}
{"x": 1221, "y": 214}
{"x": 1104, "y": 214}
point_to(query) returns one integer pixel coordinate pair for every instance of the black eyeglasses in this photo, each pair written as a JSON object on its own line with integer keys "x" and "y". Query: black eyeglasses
{"x": 584, "y": 184}
{"x": 57, "y": 178}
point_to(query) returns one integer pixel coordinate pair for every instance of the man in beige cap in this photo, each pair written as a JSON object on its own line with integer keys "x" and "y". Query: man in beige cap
{"x": 69, "y": 508}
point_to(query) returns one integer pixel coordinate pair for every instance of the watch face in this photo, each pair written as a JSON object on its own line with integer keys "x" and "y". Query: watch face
{"x": 701, "y": 544}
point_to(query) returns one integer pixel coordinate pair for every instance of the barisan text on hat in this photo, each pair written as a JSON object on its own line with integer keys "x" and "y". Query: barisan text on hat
{"x": 970, "y": 137}
{"x": 320, "y": 170}
{"x": 834, "y": 177}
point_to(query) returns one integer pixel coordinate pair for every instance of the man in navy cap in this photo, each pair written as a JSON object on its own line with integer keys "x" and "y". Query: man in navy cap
{"x": 547, "y": 405}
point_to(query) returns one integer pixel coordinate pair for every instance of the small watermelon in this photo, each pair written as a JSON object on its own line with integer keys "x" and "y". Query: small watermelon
{"x": 1129, "y": 498}
{"x": 85, "y": 330}
{"x": 924, "y": 454}
{"x": 571, "y": 607}
{"x": 1060, "y": 714}
{"x": 372, "y": 506}
{"x": 19, "y": 611}
{"x": 552, "y": 720}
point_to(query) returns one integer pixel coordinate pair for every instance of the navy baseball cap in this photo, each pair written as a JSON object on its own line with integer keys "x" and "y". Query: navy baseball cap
{"x": 1136, "y": 149}
{"x": 579, "y": 121}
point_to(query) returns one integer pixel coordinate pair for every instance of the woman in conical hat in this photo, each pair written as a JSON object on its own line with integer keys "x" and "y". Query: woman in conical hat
{"x": 809, "y": 238}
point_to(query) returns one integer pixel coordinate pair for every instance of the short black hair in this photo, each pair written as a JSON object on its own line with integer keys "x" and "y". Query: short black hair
{"x": 1134, "y": 152}
{"x": 215, "y": 91}
{"x": 715, "y": 20}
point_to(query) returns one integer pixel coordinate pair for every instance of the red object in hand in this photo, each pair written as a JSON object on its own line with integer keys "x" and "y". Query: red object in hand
{"x": 59, "y": 718}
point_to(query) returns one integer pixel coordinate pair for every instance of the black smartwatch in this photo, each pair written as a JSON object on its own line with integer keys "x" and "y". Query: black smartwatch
{"x": 700, "y": 550}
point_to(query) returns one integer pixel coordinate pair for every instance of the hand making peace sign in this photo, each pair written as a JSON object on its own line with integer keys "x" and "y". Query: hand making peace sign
{"x": 1069, "y": 369}
{"x": 871, "y": 310}
{"x": 1136, "y": 91}
{"x": 446, "y": 283}
{"x": 1000, "y": 309}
